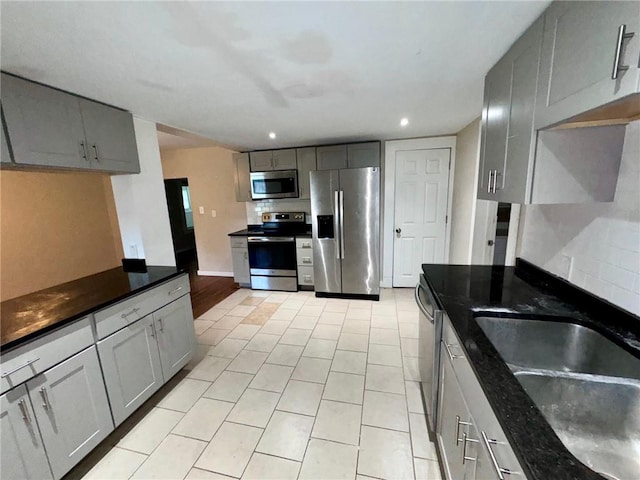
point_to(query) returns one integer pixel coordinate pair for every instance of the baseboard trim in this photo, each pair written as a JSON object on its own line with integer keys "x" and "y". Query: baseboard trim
{"x": 208, "y": 273}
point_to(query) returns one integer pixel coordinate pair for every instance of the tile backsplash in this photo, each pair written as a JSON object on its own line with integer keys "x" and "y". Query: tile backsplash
{"x": 595, "y": 246}
{"x": 256, "y": 209}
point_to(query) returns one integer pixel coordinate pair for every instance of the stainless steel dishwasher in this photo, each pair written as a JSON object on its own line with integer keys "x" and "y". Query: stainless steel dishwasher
{"x": 429, "y": 335}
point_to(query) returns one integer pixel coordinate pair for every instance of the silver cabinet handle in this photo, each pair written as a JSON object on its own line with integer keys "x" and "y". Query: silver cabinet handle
{"x": 499, "y": 470}
{"x": 95, "y": 149}
{"x": 465, "y": 440}
{"x": 336, "y": 216}
{"x": 83, "y": 151}
{"x": 622, "y": 36}
{"x": 160, "y": 323}
{"x": 153, "y": 330}
{"x": 26, "y": 364}
{"x": 458, "y": 423}
{"x": 342, "y": 223}
{"x": 489, "y": 181}
{"x": 495, "y": 180}
{"x": 451, "y": 355}
{"x": 180, "y": 288}
{"x": 125, "y": 315}
{"x": 45, "y": 398}
{"x": 246, "y": 255}
{"x": 25, "y": 411}
{"x": 306, "y": 260}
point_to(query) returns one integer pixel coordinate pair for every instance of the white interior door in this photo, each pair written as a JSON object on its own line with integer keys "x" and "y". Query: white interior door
{"x": 484, "y": 232}
{"x": 421, "y": 193}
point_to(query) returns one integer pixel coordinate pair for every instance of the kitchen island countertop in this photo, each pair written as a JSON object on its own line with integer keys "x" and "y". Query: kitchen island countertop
{"x": 466, "y": 291}
{"x": 27, "y": 317}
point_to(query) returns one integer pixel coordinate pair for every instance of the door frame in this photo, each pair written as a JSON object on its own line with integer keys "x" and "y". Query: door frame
{"x": 389, "y": 195}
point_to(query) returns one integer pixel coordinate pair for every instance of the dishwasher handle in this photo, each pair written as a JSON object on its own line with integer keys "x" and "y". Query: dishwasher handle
{"x": 420, "y": 305}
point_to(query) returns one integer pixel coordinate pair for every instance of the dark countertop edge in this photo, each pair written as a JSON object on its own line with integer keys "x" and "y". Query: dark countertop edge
{"x": 9, "y": 346}
{"x": 583, "y": 301}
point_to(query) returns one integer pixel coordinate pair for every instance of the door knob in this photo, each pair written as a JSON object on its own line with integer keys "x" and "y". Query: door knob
{"x": 398, "y": 232}
{"x": 490, "y": 243}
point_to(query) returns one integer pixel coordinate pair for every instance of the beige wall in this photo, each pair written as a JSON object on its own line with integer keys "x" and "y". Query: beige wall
{"x": 464, "y": 192}
{"x": 211, "y": 185}
{"x": 55, "y": 227}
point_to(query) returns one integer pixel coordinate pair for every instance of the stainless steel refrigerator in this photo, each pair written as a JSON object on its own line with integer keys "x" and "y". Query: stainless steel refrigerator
{"x": 345, "y": 208}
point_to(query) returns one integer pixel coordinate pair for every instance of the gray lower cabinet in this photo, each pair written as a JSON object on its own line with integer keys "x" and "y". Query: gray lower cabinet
{"x": 242, "y": 177}
{"x": 361, "y": 155}
{"x": 22, "y": 453}
{"x": 332, "y": 157}
{"x": 240, "y": 260}
{"x": 306, "y": 163}
{"x": 175, "y": 335}
{"x": 111, "y": 141}
{"x": 581, "y": 41}
{"x": 132, "y": 367}
{"x": 51, "y": 128}
{"x": 5, "y": 156}
{"x": 72, "y": 410}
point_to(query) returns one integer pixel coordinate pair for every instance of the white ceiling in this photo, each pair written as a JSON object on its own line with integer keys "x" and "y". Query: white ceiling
{"x": 312, "y": 72}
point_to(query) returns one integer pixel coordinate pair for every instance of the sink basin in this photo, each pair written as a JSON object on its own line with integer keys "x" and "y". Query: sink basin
{"x": 586, "y": 387}
{"x": 597, "y": 419}
{"x": 560, "y": 346}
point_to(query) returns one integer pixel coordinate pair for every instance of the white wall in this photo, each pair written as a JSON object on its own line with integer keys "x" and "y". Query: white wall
{"x": 465, "y": 185}
{"x": 142, "y": 205}
{"x": 595, "y": 246}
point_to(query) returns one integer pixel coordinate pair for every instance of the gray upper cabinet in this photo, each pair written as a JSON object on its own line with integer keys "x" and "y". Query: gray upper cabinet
{"x": 50, "y": 128}
{"x": 261, "y": 161}
{"x": 22, "y": 453}
{"x": 508, "y": 137}
{"x": 45, "y": 125}
{"x": 332, "y": 157}
{"x": 176, "y": 339}
{"x": 361, "y": 155}
{"x": 306, "y": 163}
{"x": 581, "y": 42}
{"x": 242, "y": 177}
{"x": 131, "y": 364}
{"x": 111, "y": 141}
{"x": 268, "y": 160}
{"x": 71, "y": 406}
{"x": 5, "y": 156}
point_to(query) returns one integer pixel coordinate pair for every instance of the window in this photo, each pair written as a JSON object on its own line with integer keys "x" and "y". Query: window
{"x": 186, "y": 204}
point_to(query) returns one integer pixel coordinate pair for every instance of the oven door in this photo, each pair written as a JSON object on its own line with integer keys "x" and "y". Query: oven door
{"x": 278, "y": 184}
{"x": 275, "y": 256}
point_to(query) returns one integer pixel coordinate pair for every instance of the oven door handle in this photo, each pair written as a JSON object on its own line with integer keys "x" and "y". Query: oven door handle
{"x": 270, "y": 239}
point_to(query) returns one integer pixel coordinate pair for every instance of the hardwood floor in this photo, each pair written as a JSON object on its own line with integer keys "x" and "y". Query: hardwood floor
{"x": 208, "y": 291}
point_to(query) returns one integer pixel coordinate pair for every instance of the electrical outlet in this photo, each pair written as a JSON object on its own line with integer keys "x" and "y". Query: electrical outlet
{"x": 565, "y": 263}
{"x": 201, "y": 210}
{"x": 214, "y": 213}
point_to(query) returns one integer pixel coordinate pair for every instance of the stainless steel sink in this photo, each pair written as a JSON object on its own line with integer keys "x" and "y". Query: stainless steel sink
{"x": 597, "y": 419}
{"x": 585, "y": 386}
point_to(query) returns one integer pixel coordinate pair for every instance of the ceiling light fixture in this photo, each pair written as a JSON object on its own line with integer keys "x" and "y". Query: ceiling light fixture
{"x": 404, "y": 122}
{"x": 272, "y": 135}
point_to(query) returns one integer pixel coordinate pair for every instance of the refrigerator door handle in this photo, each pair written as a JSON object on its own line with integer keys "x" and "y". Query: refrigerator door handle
{"x": 342, "y": 223}
{"x": 336, "y": 216}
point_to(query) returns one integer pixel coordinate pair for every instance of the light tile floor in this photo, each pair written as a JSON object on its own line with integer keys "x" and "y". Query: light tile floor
{"x": 289, "y": 386}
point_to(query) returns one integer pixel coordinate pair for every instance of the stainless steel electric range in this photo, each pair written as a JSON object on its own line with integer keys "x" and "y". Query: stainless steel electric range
{"x": 272, "y": 255}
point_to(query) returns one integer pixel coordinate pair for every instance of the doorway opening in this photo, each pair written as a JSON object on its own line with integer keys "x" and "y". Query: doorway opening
{"x": 495, "y": 233}
{"x": 181, "y": 220}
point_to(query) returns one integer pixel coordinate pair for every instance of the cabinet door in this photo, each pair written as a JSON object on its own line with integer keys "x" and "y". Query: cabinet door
{"x": 284, "y": 159}
{"x": 477, "y": 462}
{"x": 5, "y": 156}
{"x": 70, "y": 403}
{"x": 240, "y": 260}
{"x": 580, "y": 40}
{"x": 306, "y": 163}
{"x": 242, "y": 177}
{"x": 131, "y": 366}
{"x": 261, "y": 161}
{"x": 495, "y": 125}
{"x": 44, "y": 125}
{"x": 176, "y": 335}
{"x": 332, "y": 158}
{"x": 451, "y": 410}
{"x": 363, "y": 155}
{"x": 111, "y": 140}
{"x": 22, "y": 454}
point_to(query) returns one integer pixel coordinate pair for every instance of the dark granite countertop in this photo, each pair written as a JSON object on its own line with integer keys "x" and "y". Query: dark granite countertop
{"x": 29, "y": 316}
{"x": 465, "y": 292}
{"x": 256, "y": 230}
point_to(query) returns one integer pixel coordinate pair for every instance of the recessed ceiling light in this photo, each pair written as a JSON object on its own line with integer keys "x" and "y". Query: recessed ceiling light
{"x": 404, "y": 122}
{"x": 272, "y": 135}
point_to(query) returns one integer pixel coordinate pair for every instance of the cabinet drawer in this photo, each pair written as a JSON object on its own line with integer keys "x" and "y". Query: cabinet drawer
{"x": 117, "y": 316}
{"x": 304, "y": 257}
{"x": 305, "y": 275}
{"x": 238, "y": 242}
{"x": 43, "y": 353}
{"x": 306, "y": 243}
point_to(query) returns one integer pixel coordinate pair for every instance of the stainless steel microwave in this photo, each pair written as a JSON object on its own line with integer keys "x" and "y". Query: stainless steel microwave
{"x": 275, "y": 184}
